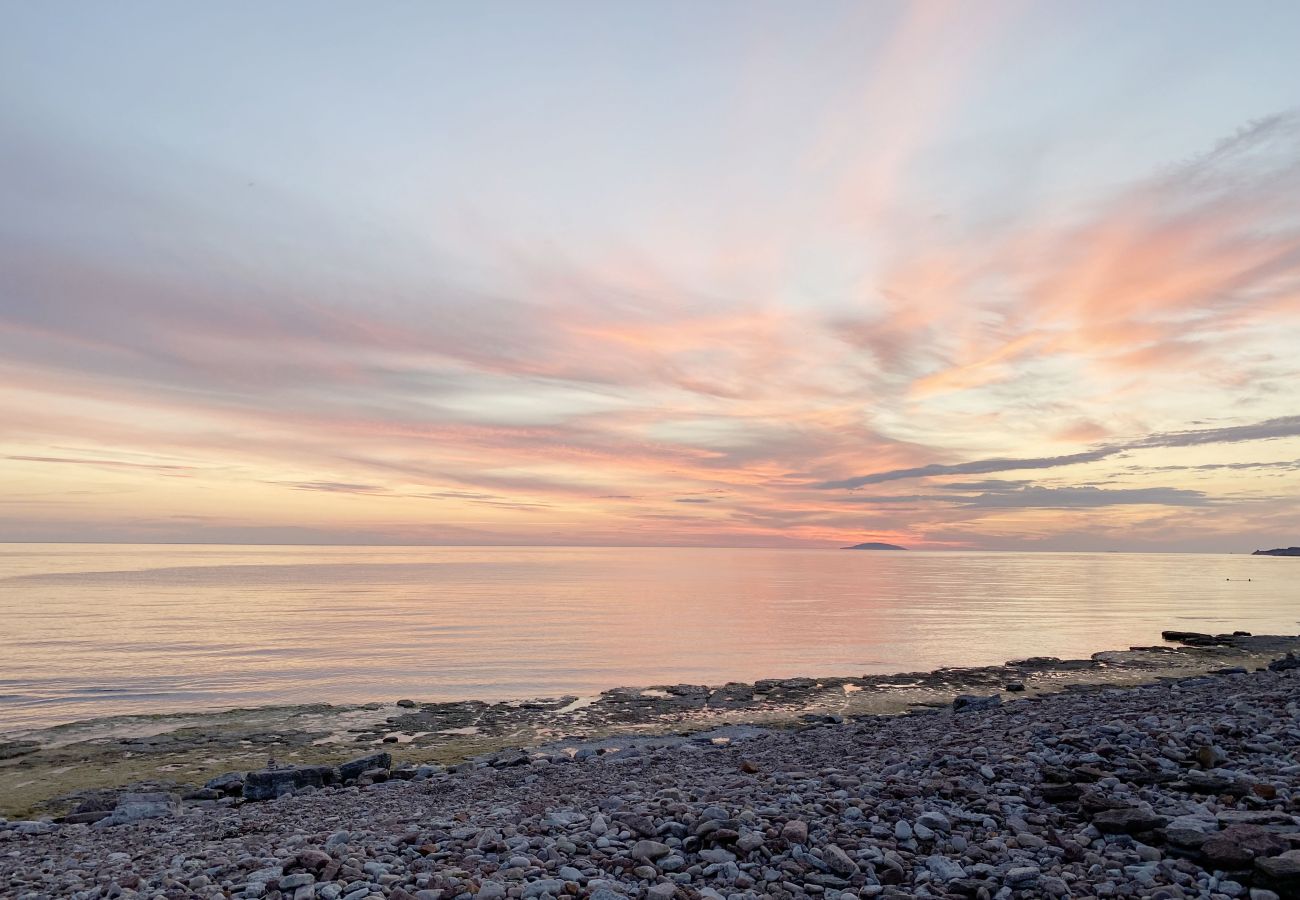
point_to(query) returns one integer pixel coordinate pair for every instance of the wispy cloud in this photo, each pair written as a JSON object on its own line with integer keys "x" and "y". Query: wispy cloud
{"x": 1286, "y": 465}
{"x": 335, "y": 487}
{"x": 581, "y": 327}
{"x": 1270, "y": 429}
{"x": 974, "y": 467}
{"x": 1281, "y": 427}
{"x": 164, "y": 468}
{"x": 1029, "y": 496}
{"x": 1085, "y": 498}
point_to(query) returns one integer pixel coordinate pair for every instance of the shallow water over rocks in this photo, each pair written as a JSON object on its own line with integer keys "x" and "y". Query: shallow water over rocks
{"x": 48, "y": 763}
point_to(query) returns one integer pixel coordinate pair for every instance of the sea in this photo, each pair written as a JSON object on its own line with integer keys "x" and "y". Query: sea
{"x": 95, "y": 630}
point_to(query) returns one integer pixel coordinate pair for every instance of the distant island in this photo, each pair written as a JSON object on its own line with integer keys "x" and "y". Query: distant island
{"x": 874, "y": 545}
{"x": 1279, "y": 551}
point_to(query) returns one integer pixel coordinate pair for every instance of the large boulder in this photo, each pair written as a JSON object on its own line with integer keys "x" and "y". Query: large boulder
{"x": 267, "y": 784}
{"x": 230, "y": 783}
{"x": 1239, "y": 846}
{"x": 1196, "y": 781}
{"x": 973, "y": 703}
{"x": 1183, "y": 637}
{"x": 140, "y": 806}
{"x": 1229, "y": 817}
{"x": 354, "y": 768}
{"x": 1281, "y": 874}
{"x": 1190, "y": 832}
{"x": 1131, "y": 820}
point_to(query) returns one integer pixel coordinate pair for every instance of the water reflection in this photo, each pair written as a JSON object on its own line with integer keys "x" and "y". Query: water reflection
{"x": 99, "y": 630}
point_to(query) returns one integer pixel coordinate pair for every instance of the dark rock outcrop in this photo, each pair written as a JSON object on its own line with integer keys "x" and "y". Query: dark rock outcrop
{"x": 267, "y": 784}
{"x": 354, "y": 768}
{"x": 230, "y": 783}
{"x": 1197, "y": 639}
{"x": 1239, "y": 846}
{"x": 972, "y": 703}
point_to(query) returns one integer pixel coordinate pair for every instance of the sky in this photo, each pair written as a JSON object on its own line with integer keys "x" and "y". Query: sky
{"x": 952, "y": 275}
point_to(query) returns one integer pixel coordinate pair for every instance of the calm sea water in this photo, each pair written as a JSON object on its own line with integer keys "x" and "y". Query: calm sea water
{"x": 94, "y": 630}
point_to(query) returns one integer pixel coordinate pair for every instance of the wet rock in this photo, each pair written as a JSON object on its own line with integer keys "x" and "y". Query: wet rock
{"x": 1185, "y": 636}
{"x": 732, "y": 696}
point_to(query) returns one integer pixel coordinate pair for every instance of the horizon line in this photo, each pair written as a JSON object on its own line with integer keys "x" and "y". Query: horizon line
{"x": 615, "y": 547}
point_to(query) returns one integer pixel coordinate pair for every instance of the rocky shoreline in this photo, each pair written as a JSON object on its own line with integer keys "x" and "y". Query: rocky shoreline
{"x": 1187, "y": 787}
{"x": 57, "y": 770}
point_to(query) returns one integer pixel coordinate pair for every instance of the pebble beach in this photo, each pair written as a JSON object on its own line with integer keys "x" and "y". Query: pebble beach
{"x": 1189, "y": 787}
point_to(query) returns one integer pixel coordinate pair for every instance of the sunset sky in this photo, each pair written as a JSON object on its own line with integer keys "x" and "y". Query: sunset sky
{"x": 951, "y": 275}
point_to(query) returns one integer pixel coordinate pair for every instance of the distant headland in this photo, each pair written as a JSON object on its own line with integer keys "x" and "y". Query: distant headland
{"x": 874, "y": 545}
{"x": 1279, "y": 551}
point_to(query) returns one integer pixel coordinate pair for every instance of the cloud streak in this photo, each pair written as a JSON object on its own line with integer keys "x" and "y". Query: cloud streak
{"x": 163, "y": 468}
{"x": 1038, "y": 497}
{"x": 588, "y": 329}
{"x": 1271, "y": 429}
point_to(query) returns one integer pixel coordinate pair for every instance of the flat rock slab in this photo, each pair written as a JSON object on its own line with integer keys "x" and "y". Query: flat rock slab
{"x": 267, "y": 784}
{"x": 136, "y": 807}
